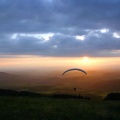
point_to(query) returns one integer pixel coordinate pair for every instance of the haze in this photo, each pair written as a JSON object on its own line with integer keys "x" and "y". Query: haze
{"x": 36, "y": 62}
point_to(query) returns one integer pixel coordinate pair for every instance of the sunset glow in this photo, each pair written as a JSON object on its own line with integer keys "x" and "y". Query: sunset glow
{"x": 54, "y": 62}
{"x": 86, "y": 59}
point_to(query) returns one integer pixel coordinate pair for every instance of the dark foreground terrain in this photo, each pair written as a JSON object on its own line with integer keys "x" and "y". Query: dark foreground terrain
{"x": 46, "y": 100}
{"x": 46, "y": 108}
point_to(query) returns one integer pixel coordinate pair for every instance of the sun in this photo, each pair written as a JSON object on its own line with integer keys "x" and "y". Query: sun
{"x": 86, "y": 59}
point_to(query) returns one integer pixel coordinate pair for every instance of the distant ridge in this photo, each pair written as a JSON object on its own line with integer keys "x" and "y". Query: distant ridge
{"x": 8, "y": 92}
{"x": 12, "y": 79}
{"x": 4, "y": 74}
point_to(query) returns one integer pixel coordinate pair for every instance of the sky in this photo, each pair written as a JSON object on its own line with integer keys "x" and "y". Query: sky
{"x": 53, "y": 30}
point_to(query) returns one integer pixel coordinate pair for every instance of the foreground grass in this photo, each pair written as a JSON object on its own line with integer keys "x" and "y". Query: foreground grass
{"x": 26, "y": 108}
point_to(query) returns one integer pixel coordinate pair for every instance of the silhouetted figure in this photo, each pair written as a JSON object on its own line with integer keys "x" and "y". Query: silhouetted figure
{"x": 75, "y": 89}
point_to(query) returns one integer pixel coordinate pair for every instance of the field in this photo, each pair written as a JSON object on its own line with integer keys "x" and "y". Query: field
{"x": 26, "y": 108}
{"x": 96, "y": 85}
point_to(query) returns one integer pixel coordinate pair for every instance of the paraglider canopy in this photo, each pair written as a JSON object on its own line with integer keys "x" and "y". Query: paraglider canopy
{"x": 74, "y": 69}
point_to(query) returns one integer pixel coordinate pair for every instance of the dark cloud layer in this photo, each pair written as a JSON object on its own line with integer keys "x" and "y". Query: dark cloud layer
{"x": 66, "y": 19}
{"x": 61, "y": 45}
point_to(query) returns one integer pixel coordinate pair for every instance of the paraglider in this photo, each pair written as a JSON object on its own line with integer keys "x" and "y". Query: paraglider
{"x": 74, "y": 69}
{"x": 75, "y": 89}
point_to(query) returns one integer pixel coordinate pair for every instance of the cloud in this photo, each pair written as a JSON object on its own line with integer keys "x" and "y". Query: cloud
{"x": 61, "y": 45}
{"x": 60, "y": 27}
{"x": 58, "y": 16}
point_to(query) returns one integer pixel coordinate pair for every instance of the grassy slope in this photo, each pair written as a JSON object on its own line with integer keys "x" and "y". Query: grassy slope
{"x": 24, "y": 108}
